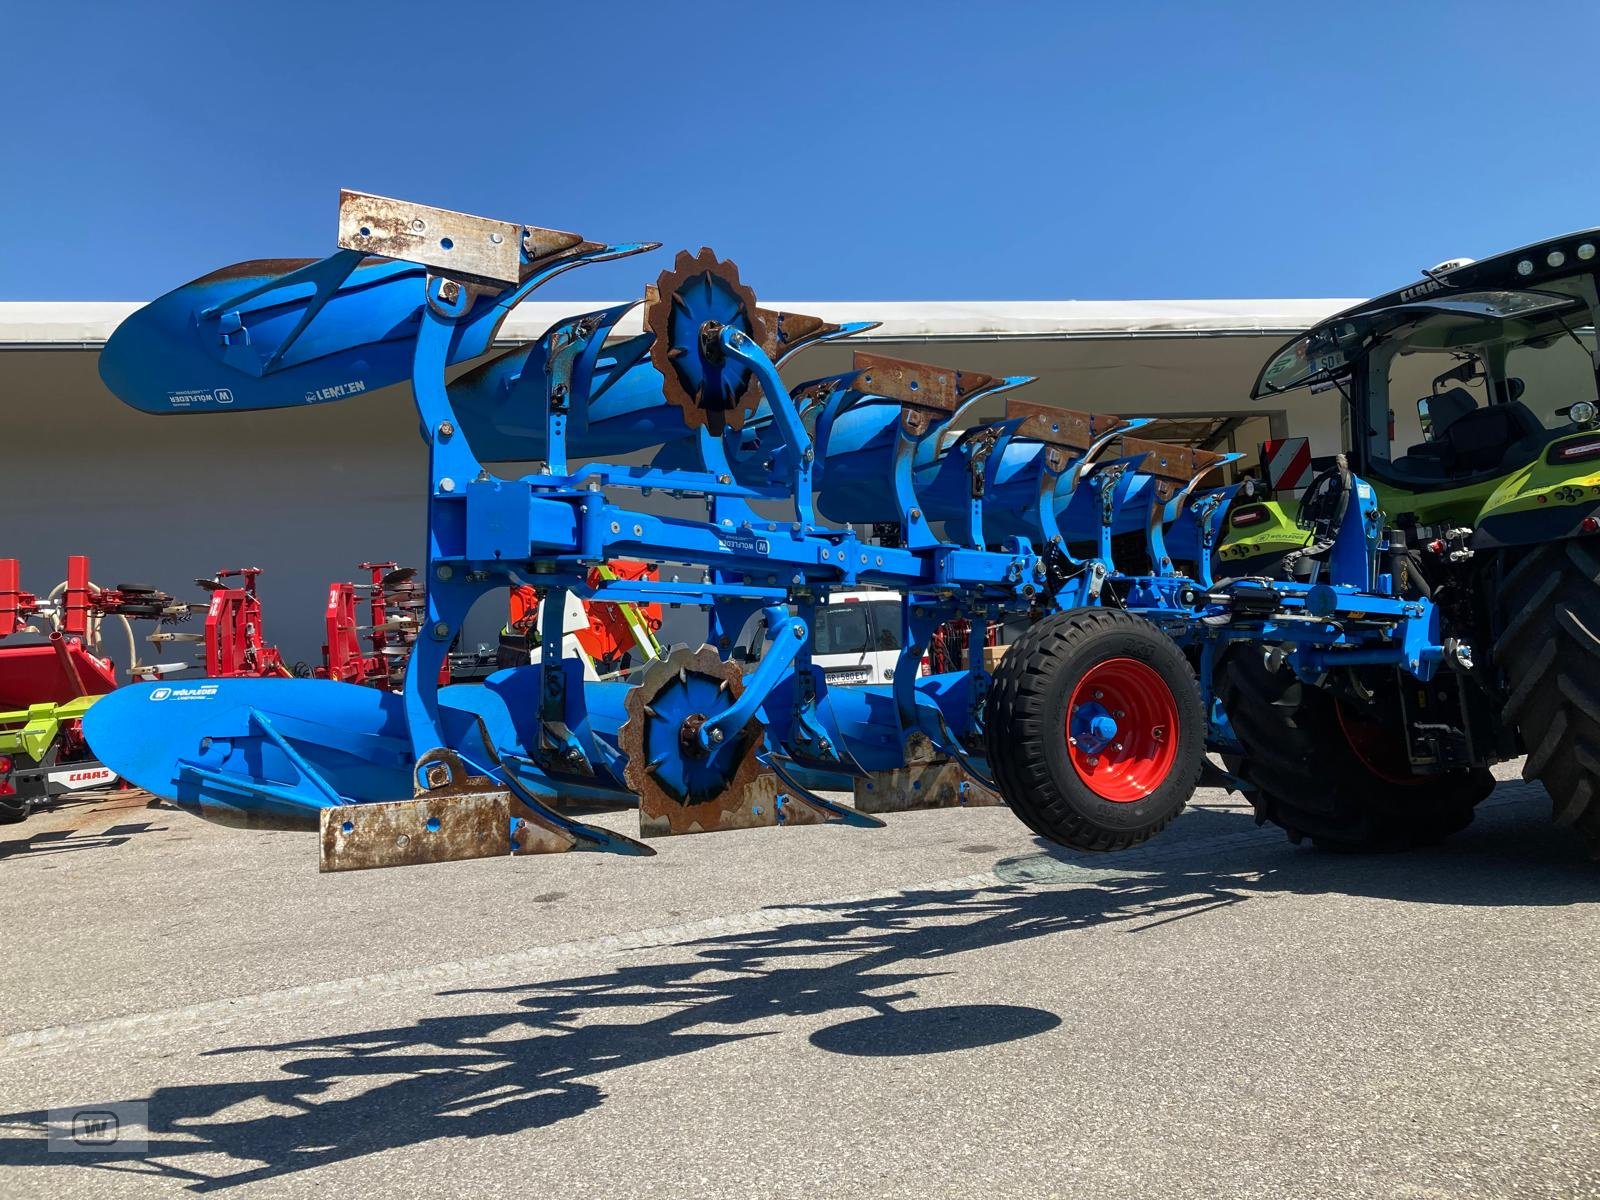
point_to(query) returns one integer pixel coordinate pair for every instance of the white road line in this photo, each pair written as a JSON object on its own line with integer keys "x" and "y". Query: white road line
{"x": 249, "y": 1007}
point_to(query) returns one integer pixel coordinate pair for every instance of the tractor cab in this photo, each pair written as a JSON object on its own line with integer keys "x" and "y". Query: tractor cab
{"x": 1459, "y": 380}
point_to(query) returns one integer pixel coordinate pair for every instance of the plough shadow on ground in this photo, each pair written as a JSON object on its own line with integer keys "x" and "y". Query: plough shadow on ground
{"x": 26, "y": 837}
{"x": 541, "y": 1056}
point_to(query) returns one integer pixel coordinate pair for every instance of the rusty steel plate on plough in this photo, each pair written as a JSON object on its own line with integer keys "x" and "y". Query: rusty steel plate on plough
{"x": 734, "y": 791}
{"x": 454, "y": 815}
{"x": 458, "y": 244}
{"x": 442, "y": 773}
{"x": 686, "y": 310}
{"x": 787, "y": 332}
{"x": 1063, "y": 427}
{"x": 404, "y": 833}
{"x": 1171, "y": 466}
{"x": 928, "y": 780}
{"x": 917, "y": 384}
{"x": 1066, "y": 433}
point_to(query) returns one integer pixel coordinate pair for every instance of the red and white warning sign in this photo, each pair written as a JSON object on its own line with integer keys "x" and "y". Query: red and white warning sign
{"x": 1286, "y": 463}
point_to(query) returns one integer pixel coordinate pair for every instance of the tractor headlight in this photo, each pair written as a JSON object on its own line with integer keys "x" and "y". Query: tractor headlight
{"x": 1583, "y": 412}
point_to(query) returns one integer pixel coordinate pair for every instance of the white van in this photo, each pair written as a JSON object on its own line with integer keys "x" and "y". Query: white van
{"x": 856, "y": 639}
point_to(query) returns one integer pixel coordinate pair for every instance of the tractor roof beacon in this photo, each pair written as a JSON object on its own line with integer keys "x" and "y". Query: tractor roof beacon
{"x": 1490, "y": 487}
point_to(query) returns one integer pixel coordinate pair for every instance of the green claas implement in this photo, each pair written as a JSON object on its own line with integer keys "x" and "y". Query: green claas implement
{"x": 42, "y": 755}
{"x": 1470, "y": 406}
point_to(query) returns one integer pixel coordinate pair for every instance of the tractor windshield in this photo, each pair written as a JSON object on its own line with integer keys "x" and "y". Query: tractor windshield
{"x": 1329, "y": 351}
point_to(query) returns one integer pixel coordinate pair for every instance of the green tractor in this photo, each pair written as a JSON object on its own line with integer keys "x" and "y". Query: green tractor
{"x": 1470, "y": 405}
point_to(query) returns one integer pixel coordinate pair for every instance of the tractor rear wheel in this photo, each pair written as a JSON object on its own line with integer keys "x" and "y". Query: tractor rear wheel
{"x": 1095, "y": 729}
{"x": 1319, "y": 768}
{"x": 13, "y": 809}
{"x": 1549, "y": 652}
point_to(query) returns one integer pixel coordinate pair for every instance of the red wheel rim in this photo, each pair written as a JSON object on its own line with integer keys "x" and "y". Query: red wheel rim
{"x": 1122, "y": 729}
{"x": 1375, "y": 748}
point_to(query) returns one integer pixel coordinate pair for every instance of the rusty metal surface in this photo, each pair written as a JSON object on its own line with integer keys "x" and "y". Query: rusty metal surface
{"x": 787, "y": 332}
{"x": 1063, "y": 427}
{"x": 928, "y": 780}
{"x": 404, "y": 833}
{"x": 658, "y": 321}
{"x": 535, "y": 834}
{"x": 918, "y": 385}
{"x": 441, "y": 773}
{"x": 751, "y": 801}
{"x": 454, "y": 815}
{"x": 752, "y": 798}
{"x": 922, "y": 786}
{"x": 455, "y": 243}
{"x": 1174, "y": 464}
{"x": 256, "y": 268}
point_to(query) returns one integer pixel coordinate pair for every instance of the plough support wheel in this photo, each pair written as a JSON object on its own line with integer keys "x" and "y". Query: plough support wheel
{"x": 1096, "y": 731}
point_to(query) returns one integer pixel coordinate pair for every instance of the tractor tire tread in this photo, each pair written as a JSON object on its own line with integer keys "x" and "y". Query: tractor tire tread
{"x": 1302, "y": 776}
{"x": 1553, "y": 684}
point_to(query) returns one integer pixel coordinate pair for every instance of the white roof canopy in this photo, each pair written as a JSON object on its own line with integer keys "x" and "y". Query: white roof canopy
{"x": 54, "y": 325}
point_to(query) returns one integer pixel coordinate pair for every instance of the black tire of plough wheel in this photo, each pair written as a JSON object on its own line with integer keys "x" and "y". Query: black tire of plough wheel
{"x": 1548, "y": 651}
{"x": 1026, "y": 716}
{"x": 1303, "y": 775}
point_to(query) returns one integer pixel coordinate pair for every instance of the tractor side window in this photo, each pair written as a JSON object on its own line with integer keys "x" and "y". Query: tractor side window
{"x": 1551, "y": 375}
{"x": 1453, "y": 417}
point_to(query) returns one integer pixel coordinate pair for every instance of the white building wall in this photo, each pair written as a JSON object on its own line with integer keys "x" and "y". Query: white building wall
{"x": 308, "y": 493}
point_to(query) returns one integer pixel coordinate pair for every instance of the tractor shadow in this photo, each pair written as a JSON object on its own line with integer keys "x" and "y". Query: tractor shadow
{"x": 1511, "y": 855}
{"x": 500, "y": 1060}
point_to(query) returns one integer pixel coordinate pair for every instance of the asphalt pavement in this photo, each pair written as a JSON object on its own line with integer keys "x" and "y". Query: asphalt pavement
{"x": 945, "y": 1007}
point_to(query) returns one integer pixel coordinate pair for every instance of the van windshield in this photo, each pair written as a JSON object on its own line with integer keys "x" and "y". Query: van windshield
{"x": 855, "y": 628}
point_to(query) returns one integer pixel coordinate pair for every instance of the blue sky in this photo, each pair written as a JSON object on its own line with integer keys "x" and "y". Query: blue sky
{"x": 836, "y": 151}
